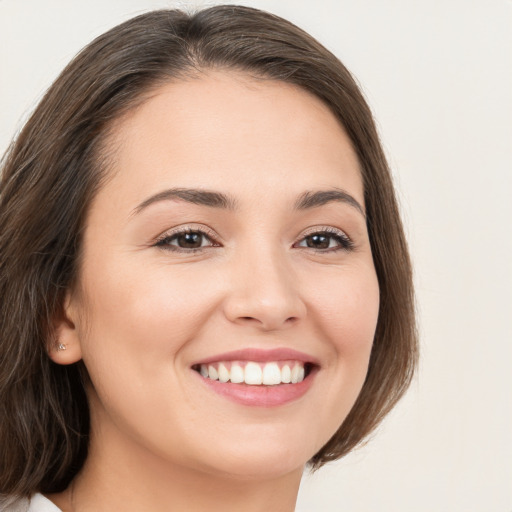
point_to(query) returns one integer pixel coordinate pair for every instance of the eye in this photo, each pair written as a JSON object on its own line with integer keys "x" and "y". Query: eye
{"x": 186, "y": 240}
{"x": 326, "y": 240}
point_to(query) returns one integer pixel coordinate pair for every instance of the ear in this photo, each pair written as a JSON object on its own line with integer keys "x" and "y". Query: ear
{"x": 65, "y": 347}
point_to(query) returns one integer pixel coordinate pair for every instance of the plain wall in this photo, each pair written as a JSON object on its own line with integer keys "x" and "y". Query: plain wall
{"x": 438, "y": 77}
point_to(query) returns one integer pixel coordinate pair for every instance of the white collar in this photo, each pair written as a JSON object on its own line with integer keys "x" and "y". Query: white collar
{"x": 38, "y": 503}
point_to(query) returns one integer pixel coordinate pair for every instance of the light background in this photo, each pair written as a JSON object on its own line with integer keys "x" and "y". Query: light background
{"x": 438, "y": 76}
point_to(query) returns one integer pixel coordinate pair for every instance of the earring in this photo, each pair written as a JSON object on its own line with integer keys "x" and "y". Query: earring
{"x": 61, "y": 346}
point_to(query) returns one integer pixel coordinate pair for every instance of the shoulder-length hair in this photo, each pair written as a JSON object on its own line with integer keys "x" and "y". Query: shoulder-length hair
{"x": 51, "y": 173}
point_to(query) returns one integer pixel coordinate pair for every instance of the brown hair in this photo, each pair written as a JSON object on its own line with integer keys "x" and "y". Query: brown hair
{"x": 51, "y": 173}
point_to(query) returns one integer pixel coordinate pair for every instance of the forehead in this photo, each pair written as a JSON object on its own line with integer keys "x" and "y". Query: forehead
{"x": 220, "y": 129}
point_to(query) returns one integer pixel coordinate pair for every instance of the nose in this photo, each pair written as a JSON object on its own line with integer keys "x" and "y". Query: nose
{"x": 264, "y": 293}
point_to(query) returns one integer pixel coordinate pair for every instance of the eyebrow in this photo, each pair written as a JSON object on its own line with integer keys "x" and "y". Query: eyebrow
{"x": 190, "y": 195}
{"x": 309, "y": 200}
{"x": 305, "y": 201}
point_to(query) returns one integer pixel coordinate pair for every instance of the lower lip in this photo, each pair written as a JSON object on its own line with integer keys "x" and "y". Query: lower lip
{"x": 260, "y": 396}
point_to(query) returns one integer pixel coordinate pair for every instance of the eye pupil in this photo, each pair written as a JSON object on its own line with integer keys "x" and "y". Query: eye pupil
{"x": 190, "y": 240}
{"x": 318, "y": 241}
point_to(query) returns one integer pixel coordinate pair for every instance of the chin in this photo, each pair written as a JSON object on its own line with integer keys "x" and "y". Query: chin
{"x": 260, "y": 458}
{"x": 253, "y": 467}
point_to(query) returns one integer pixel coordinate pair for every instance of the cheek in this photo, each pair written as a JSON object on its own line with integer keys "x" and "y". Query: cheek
{"x": 141, "y": 323}
{"x": 346, "y": 318}
{"x": 155, "y": 306}
{"x": 345, "y": 303}
{"x": 138, "y": 324}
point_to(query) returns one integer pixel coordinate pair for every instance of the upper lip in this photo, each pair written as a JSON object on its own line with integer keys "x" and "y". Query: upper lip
{"x": 260, "y": 356}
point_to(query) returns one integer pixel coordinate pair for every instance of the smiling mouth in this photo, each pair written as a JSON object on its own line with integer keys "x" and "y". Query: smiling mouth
{"x": 252, "y": 373}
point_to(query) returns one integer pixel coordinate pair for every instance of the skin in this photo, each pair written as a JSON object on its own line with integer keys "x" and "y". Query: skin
{"x": 143, "y": 314}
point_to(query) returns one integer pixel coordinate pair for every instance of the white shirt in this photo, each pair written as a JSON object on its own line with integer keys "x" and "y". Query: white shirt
{"x": 38, "y": 503}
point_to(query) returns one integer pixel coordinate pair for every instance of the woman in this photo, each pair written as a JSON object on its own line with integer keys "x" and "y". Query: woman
{"x": 204, "y": 276}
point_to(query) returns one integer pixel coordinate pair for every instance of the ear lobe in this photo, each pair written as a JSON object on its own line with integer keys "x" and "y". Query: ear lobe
{"x": 65, "y": 347}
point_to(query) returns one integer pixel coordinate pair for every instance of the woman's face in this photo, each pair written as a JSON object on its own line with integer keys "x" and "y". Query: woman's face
{"x": 229, "y": 239}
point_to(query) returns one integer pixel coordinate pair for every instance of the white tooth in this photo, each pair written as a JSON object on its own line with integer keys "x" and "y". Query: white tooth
{"x": 223, "y": 373}
{"x": 212, "y": 373}
{"x": 237, "y": 374}
{"x": 271, "y": 374}
{"x": 301, "y": 374}
{"x": 286, "y": 374}
{"x": 204, "y": 370}
{"x": 295, "y": 374}
{"x": 253, "y": 374}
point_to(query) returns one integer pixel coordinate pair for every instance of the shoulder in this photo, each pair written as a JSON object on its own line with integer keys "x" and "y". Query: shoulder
{"x": 38, "y": 503}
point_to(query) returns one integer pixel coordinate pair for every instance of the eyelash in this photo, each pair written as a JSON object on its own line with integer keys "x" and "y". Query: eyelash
{"x": 164, "y": 242}
{"x": 345, "y": 243}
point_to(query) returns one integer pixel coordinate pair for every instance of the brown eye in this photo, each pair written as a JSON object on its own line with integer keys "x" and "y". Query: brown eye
{"x": 318, "y": 241}
{"x": 189, "y": 240}
{"x": 186, "y": 241}
{"x": 326, "y": 241}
